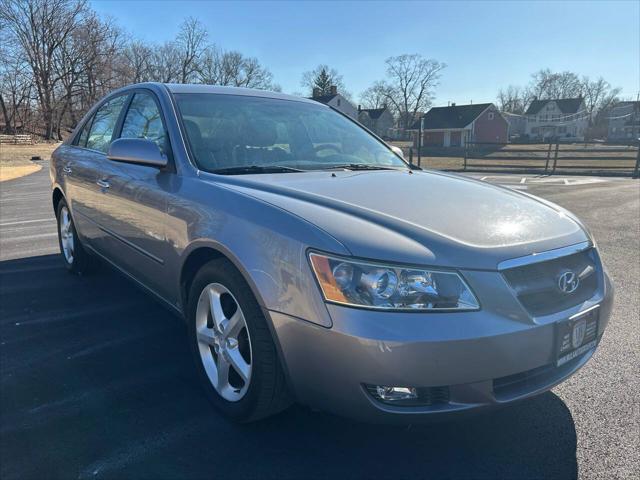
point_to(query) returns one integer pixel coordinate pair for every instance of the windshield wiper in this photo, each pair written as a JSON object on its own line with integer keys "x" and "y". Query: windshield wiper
{"x": 358, "y": 166}
{"x": 248, "y": 169}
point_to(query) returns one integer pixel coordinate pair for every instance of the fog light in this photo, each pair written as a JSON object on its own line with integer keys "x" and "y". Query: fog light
{"x": 394, "y": 394}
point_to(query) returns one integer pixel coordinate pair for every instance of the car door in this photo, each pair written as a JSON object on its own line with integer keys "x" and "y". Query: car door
{"x": 135, "y": 199}
{"x": 84, "y": 164}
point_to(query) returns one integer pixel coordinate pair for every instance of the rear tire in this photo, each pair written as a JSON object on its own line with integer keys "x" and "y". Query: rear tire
{"x": 234, "y": 353}
{"x": 75, "y": 257}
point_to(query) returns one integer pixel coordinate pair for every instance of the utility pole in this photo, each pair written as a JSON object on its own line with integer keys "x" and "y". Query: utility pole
{"x": 420, "y": 141}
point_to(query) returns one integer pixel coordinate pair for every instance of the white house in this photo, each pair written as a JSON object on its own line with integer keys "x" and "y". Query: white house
{"x": 561, "y": 118}
{"x": 335, "y": 100}
{"x": 624, "y": 122}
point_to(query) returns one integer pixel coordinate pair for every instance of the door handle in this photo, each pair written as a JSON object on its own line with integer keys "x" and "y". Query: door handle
{"x": 66, "y": 170}
{"x": 103, "y": 184}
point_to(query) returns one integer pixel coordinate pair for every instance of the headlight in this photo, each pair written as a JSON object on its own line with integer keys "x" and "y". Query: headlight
{"x": 382, "y": 286}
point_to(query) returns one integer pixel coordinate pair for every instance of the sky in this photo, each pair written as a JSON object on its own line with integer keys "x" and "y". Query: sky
{"x": 486, "y": 45}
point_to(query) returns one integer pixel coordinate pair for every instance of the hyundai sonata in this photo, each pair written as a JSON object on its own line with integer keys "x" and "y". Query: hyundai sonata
{"x": 313, "y": 264}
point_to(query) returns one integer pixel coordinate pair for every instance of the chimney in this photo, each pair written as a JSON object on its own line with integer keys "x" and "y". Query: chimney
{"x": 453, "y": 104}
{"x": 316, "y": 92}
{"x": 333, "y": 90}
{"x": 359, "y": 108}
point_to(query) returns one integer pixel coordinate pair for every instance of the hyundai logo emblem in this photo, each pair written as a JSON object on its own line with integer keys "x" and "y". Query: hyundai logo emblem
{"x": 568, "y": 282}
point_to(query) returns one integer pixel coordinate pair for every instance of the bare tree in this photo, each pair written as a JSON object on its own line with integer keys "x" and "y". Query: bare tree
{"x": 166, "y": 63}
{"x": 411, "y": 80}
{"x": 323, "y": 78}
{"x": 514, "y": 99}
{"x": 599, "y": 96}
{"x": 15, "y": 84}
{"x": 232, "y": 68}
{"x": 61, "y": 56}
{"x": 135, "y": 63}
{"x": 191, "y": 44}
{"x": 375, "y": 96}
{"x": 40, "y": 27}
{"x": 546, "y": 84}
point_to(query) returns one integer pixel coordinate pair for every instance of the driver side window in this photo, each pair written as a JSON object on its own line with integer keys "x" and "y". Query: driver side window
{"x": 143, "y": 120}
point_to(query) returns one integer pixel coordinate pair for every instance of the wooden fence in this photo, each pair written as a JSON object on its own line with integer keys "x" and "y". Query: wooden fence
{"x": 26, "y": 139}
{"x": 553, "y": 156}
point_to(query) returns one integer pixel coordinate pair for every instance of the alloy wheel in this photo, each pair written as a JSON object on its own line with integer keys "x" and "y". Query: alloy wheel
{"x": 224, "y": 342}
{"x": 66, "y": 234}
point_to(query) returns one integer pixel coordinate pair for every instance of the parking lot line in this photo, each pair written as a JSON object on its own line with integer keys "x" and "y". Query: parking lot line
{"x": 22, "y": 222}
{"x": 31, "y": 237}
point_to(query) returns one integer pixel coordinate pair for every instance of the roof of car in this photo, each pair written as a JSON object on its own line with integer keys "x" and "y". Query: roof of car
{"x": 217, "y": 89}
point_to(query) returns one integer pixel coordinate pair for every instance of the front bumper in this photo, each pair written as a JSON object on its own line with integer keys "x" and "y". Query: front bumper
{"x": 486, "y": 358}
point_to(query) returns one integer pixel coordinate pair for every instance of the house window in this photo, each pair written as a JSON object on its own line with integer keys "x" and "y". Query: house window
{"x": 490, "y": 116}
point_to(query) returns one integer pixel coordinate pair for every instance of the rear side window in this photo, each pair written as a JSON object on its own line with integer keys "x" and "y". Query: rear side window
{"x": 81, "y": 140}
{"x": 104, "y": 123}
{"x": 143, "y": 120}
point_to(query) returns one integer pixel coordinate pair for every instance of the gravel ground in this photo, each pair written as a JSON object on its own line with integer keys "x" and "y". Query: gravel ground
{"x": 96, "y": 380}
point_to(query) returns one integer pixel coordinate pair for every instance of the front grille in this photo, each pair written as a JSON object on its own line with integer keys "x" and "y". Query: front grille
{"x": 536, "y": 285}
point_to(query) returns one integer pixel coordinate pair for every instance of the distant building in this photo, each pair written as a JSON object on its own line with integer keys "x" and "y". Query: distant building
{"x": 557, "y": 118}
{"x": 335, "y": 100}
{"x": 456, "y": 125}
{"x": 624, "y": 122}
{"x": 379, "y": 120}
{"x": 517, "y": 124}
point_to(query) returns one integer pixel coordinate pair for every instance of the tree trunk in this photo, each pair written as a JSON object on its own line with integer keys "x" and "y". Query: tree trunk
{"x": 7, "y": 118}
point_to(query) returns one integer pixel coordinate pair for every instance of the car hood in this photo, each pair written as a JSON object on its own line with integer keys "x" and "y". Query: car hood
{"x": 419, "y": 217}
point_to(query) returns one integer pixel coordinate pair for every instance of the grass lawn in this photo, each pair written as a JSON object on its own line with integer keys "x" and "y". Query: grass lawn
{"x": 15, "y": 160}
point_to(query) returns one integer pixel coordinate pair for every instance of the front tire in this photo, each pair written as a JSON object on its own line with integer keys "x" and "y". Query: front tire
{"x": 235, "y": 356}
{"x": 74, "y": 256}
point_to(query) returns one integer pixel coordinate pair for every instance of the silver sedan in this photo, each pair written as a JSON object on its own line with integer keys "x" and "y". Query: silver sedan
{"x": 313, "y": 264}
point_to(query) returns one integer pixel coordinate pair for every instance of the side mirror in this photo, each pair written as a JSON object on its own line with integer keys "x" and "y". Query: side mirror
{"x": 138, "y": 151}
{"x": 397, "y": 150}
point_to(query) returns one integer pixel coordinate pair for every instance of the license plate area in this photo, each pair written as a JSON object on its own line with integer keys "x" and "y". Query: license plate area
{"x": 576, "y": 336}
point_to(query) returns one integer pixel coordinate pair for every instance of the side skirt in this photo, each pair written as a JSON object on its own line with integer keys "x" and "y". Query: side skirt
{"x": 177, "y": 311}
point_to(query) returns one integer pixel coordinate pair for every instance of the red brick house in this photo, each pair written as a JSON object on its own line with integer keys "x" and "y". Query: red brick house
{"x": 456, "y": 125}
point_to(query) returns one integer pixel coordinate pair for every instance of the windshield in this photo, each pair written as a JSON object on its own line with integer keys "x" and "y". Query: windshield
{"x": 229, "y": 132}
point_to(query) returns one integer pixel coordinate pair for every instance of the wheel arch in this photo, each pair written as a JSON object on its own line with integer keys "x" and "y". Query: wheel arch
{"x": 56, "y": 196}
{"x": 201, "y": 252}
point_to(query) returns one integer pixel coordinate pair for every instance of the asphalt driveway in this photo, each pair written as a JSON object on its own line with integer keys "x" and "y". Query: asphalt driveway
{"x": 96, "y": 380}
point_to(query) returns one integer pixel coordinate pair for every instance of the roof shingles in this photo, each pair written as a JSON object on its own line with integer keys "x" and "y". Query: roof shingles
{"x": 457, "y": 116}
{"x": 374, "y": 113}
{"x": 566, "y": 105}
{"x": 323, "y": 98}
